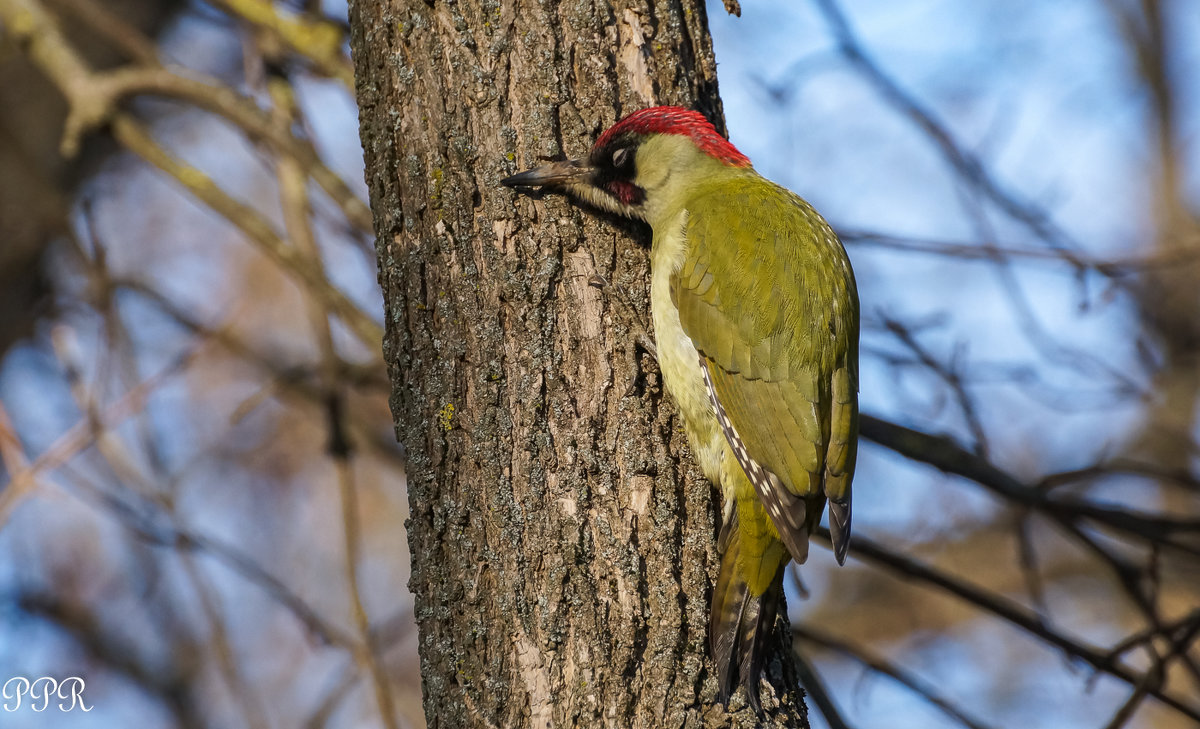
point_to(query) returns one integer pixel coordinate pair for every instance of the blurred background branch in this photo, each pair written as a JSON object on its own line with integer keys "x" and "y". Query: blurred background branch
{"x": 220, "y": 361}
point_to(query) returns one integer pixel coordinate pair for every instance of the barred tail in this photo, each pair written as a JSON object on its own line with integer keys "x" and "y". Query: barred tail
{"x": 741, "y": 620}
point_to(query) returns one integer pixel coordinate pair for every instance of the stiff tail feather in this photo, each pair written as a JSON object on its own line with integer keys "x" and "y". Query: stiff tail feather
{"x": 741, "y": 624}
{"x": 839, "y": 527}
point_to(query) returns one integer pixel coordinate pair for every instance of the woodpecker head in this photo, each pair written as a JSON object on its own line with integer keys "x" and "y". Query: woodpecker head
{"x": 641, "y": 164}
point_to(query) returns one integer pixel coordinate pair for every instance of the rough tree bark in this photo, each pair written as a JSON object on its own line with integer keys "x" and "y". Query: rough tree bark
{"x": 562, "y": 540}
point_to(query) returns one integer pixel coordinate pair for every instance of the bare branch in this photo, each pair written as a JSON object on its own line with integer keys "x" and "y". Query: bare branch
{"x": 815, "y": 686}
{"x": 319, "y": 41}
{"x": 946, "y": 455}
{"x": 53, "y": 55}
{"x": 1008, "y": 611}
{"x": 965, "y": 163}
{"x": 949, "y": 374}
{"x": 926, "y": 691}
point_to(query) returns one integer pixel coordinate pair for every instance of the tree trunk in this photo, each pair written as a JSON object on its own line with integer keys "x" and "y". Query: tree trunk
{"x": 563, "y": 543}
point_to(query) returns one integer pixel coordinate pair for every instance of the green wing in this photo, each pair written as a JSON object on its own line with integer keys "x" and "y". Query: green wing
{"x": 766, "y": 294}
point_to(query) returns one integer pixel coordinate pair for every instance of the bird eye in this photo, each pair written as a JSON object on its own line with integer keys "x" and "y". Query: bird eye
{"x": 621, "y": 157}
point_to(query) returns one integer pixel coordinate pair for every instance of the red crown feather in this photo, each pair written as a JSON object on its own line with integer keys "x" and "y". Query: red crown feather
{"x": 677, "y": 120}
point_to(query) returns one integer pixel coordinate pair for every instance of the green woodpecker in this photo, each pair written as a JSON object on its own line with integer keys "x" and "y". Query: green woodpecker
{"x": 755, "y": 315}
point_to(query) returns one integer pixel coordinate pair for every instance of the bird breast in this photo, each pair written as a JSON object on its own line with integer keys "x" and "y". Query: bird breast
{"x": 677, "y": 356}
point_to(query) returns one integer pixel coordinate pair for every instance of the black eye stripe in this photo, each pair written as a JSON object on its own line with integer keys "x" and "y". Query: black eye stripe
{"x": 615, "y": 169}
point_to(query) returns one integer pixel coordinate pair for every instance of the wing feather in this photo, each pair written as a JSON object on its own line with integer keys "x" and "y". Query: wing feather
{"x": 780, "y": 359}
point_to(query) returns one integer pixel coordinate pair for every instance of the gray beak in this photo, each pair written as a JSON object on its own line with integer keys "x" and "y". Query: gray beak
{"x": 555, "y": 173}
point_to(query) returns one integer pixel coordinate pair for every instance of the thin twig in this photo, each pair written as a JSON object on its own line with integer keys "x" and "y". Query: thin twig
{"x": 103, "y": 23}
{"x": 111, "y": 87}
{"x": 881, "y": 665}
{"x": 950, "y": 376}
{"x": 297, "y": 219}
{"x": 50, "y": 51}
{"x": 943, "y": 453}
{"x": 987, "y": 253}
{"x": 122, "y": 464}
{"x": 171, "y": 683}
{"x": 1005, "y": 609}
{"x": 965, "y": 163}
{"x": 319, "y": 41}
{"x": 815, "y": 686}
{"x": 80, "y": 436}
{"x": 146, "y": 521}
{"x": 133, "y": 136}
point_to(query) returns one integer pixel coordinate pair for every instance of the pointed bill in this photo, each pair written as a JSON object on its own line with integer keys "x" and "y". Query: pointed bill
{"x": 554, "y": 173}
